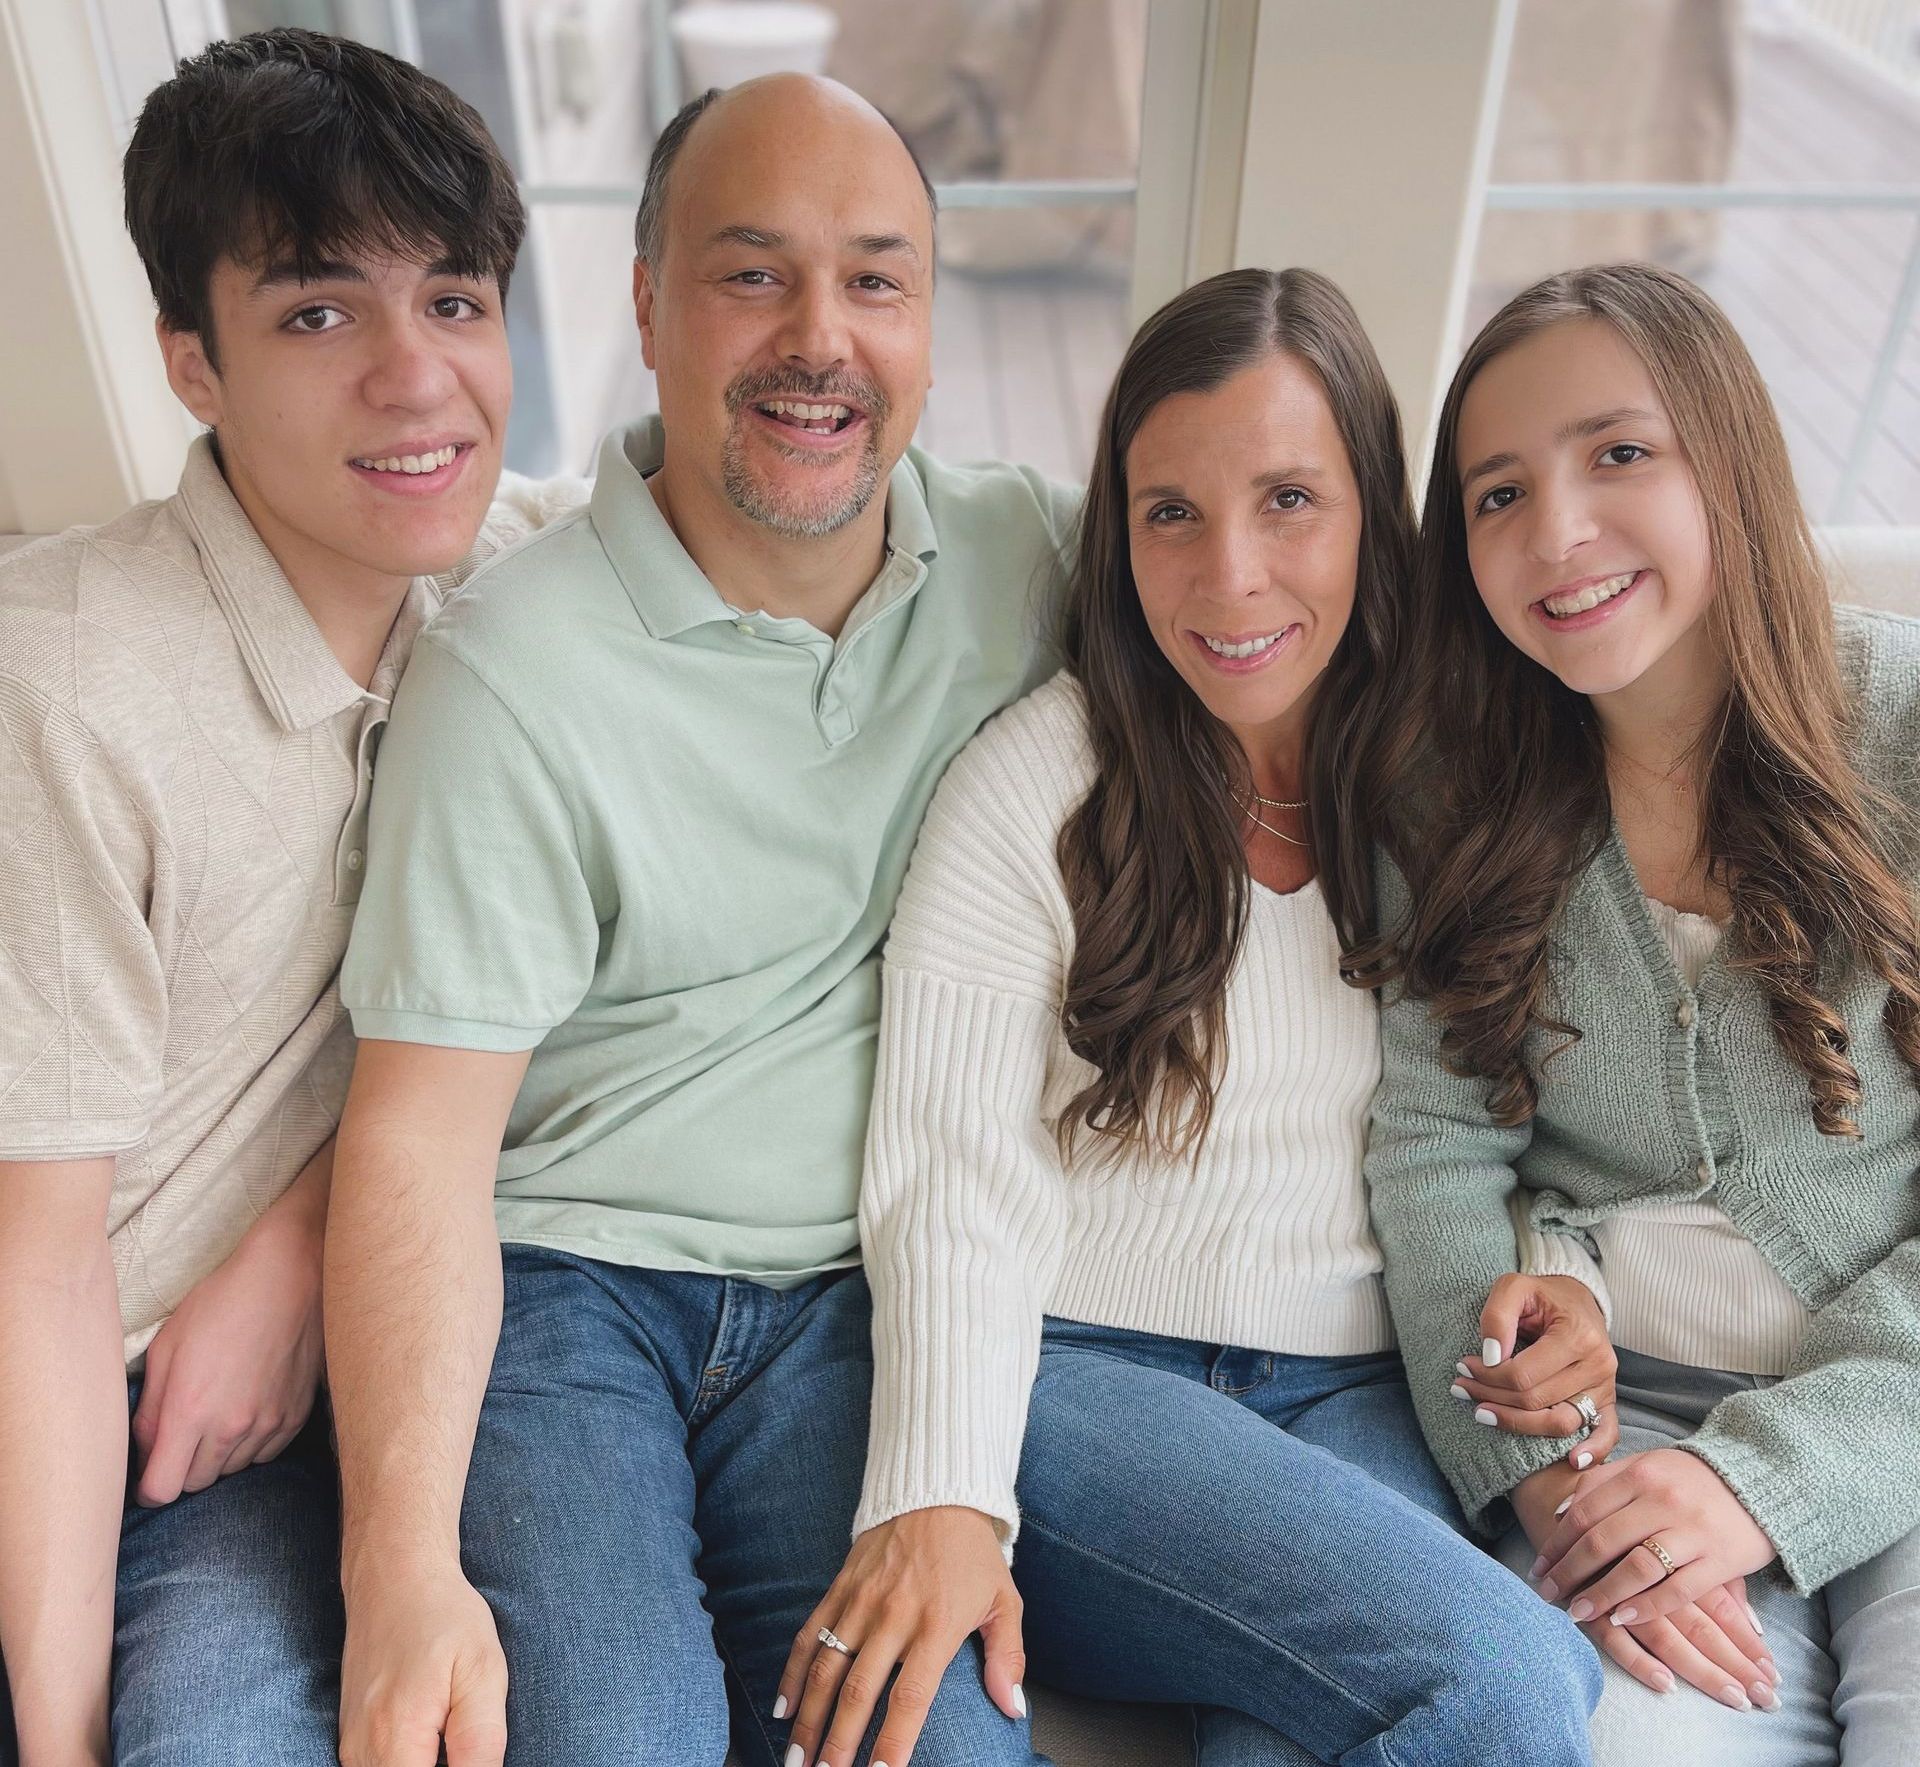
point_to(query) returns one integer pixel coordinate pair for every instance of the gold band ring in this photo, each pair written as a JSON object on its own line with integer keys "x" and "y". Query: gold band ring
{"x": 1659, "y": 1552}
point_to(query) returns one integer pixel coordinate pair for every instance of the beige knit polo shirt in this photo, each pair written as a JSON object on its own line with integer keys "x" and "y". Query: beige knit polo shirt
{"x": 184, "y": 778}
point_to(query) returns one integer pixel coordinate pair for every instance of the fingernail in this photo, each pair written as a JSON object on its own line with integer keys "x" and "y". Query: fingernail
{"x": 1663, "y": 1679}
{"x": 1459, "y": 1392}
{"x": 780, "y": 1706}
{"x": 1539, "y": 1565}
{"x": 1566, "y": 1503}
{"x": 796, "y": 1756}
{"x": 1764, "y": 1697}
{"x": 1582, "y": 1461}
{"x": 1770, "y": 1669}
{"x": 1581, "y": 1610}
{"x": 1753, "y": 1620}
{"x": 1462, "y": 1368}
{"x": 1490, "y": 1352}
{"x": 1549, "y": 1590}
{"x": 1482, "y": 1415}
{"x": 1733, "y": 1697}
{"x": 1625, "y": 1616}
{"x": 1020, "y": 1702}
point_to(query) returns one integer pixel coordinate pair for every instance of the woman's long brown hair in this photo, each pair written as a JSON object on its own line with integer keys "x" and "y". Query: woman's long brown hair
{"x": 1153, "y": 861}
{"x": 1520, "y": 803}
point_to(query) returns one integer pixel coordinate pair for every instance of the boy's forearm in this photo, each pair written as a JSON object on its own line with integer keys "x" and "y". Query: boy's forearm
{"x": 63, "y": 1461}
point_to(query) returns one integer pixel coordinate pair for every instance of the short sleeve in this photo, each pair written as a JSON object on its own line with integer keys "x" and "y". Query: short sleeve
{"x": 476, "y": 927}
{"x": 83, "y": 1001}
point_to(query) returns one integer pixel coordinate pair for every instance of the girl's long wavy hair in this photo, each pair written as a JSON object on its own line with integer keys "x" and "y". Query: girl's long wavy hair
{"x": 1520, "y": 802}
{"x": 1153, "y": 862}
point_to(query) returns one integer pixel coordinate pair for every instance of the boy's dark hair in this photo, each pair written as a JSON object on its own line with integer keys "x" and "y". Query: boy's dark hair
{"x": 650, "y": 221}
{"x": 291, "y": 147}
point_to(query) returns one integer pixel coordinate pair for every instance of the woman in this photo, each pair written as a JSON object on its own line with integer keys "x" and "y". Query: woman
{"x": 1126, "y": 1299}
{"x": 1662, "y": 970}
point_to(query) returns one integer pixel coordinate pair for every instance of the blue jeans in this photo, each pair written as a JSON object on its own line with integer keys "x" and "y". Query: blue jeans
{"x": 227, "y": 1619}
{"x": 662, "y": 1487}
{"x": 1846, "y": 1656}
{"x": 1264, "y": 1536}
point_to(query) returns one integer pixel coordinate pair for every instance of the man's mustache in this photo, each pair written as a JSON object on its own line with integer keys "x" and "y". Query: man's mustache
{"x": 818, "y": 389}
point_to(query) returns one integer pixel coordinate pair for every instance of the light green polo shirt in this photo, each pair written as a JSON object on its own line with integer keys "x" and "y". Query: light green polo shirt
{"x": 657, "y": 841}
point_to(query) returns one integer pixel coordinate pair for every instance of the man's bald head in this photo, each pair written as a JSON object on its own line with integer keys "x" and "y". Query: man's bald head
{"x": 775, "y": 102}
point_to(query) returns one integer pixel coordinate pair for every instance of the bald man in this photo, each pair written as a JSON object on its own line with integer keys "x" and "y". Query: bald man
{"x": 599, "y": 1344}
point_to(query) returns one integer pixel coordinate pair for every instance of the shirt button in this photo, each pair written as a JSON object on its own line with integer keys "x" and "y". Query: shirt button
{"x": 743, "y": 626}
{"x": 1703, "y": 1171}
{"x": 1683, "y": 1015}
{"x": 355, "y": 859}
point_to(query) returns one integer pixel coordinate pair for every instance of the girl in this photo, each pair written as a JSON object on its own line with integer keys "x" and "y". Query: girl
{"x": 1661, "y": 971}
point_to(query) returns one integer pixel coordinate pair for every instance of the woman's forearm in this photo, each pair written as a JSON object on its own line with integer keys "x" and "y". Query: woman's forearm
{"x": 63, "y": 1457}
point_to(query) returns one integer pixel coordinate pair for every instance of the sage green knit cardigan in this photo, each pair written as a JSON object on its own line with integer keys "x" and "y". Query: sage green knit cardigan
{"x": 1673, "y": 1094}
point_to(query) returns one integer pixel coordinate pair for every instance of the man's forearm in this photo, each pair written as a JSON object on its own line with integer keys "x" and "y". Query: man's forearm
{"x": 412, "y": 1303}
{"x": 63, "y": 1463}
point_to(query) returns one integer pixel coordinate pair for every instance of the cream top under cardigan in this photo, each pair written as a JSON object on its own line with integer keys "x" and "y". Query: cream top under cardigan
{"x": 974, "y": 1230}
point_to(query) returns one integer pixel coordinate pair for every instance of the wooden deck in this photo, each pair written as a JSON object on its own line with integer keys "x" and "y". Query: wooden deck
{"x": 1021, "y": 364}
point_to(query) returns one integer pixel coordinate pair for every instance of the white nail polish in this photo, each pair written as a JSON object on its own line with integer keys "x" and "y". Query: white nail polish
{"x": 1753, "y": 1620}
{"x": 1736, "y": 1699}
{"x": 796, "y": 1756}
{"x": 1458, "y": 1391}
{"x": 1765, "y": 1698}
{"x": 1566, "y": 1503}
{"x": 1582, "y": 1461}
{"x": 1020, "y": 1701}
{"x": 1482, "y": 1414}
{"x": 1490, "y": 1352}
{"x": 780, "y": 1706}
{"x": 1462, "y": 1368}
{"x": 1625, "y": 1616}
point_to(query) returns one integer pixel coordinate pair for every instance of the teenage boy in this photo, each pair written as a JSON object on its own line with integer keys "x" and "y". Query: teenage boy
{"x": 189, "y": 702}
{"x": 644, "y": 810}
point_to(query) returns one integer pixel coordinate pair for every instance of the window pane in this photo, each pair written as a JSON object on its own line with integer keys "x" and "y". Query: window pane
{"x": 1772, "y": 92}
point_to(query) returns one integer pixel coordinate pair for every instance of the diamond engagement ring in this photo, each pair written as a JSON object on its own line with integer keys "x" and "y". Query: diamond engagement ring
{"x": 1659, "y": 1552}
{"x": 827, "y": 1637}
{"x": 1589, "y": 1415}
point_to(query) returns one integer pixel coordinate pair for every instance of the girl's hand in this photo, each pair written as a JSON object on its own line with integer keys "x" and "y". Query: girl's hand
{"x": 913, "y": 1590}
{"x": 1714, "y": 1644}
{"x": 1598, "y": 1558}
{"x": 1566, "y": 1352}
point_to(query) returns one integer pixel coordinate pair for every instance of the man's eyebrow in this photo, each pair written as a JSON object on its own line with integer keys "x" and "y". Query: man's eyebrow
{"x": 880, "y": 245}
{"x": 1571, "y": 431}
{"x": 762, "y": 238}
{"x": 283, "y": 271}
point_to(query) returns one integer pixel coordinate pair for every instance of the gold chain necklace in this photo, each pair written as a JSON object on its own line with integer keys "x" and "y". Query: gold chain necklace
{"x": 1277, "y": 833}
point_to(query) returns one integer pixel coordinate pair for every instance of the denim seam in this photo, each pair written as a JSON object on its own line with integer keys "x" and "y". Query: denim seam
{"x": 1030, "y": 1525}
{"x": 746, "y": 1694}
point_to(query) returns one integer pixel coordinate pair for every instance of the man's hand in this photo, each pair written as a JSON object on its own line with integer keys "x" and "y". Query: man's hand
{"x": 423, "y": 1661}
{"x": 231, "y": 1376}
{"x": 913, "y": 1590}
{"x": 1566, "y": 1352}
{"x": 1713, "y": 1643}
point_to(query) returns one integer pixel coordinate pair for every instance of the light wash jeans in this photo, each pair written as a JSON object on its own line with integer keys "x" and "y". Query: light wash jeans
{"x": 662, "y": 1488}
{"x": 1264, "y": 1537}
{"x": 227, "y": 1620}
{"x": 1849, "y": 1657}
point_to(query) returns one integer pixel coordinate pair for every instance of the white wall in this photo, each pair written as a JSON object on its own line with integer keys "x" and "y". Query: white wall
{"x": 87, "y": 425}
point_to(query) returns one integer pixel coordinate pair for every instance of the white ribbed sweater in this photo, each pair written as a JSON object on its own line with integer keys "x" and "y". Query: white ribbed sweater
{"x": 973, "y": 1229}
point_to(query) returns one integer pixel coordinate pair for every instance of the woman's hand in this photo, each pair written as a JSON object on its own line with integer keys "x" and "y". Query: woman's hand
{"x": 1566, "y": 1353}
{"x": 1713, "y": 1644}
{"x": 913, "y": 1590}
{"x": 1597, "y": 1558}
